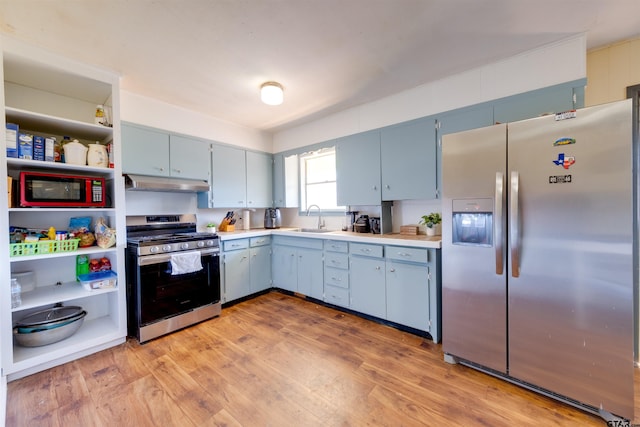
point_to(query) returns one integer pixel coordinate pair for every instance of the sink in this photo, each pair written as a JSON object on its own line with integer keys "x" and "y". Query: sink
{"x": 313, "y": 230}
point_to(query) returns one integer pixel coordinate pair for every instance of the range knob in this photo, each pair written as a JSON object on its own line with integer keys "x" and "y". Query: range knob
{"x": 200, "y": 244}
{"x": 184, "y": 246}
{"x": 210, "y": 242}
{"x": 154, "y": 249}
{"x": 166, "y": 248}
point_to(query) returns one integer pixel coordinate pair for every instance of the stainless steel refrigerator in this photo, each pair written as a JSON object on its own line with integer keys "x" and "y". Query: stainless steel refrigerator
{"x": 537, "y": 254}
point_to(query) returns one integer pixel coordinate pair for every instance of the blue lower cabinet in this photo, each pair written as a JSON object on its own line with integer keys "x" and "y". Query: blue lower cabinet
{"x": 260, "y": 268}
{"x": 336, "y": 273}
{"x": 414, "y": 288}
{"x": 297, "y": 265}
{"x": 366, "y": 269}
{"x": 407, "y": 288}
{"x": 310, "y": 275}
{"x": 237, "y": 278}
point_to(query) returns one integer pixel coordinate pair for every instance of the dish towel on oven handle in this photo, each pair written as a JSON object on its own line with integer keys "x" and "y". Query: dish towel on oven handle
{"x": 185, "y": 262}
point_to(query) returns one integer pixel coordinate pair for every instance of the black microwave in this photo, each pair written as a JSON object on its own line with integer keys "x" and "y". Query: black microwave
{"x": 38, "y": 189}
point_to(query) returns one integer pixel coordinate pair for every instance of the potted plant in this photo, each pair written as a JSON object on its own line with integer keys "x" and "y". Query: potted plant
{"x": 211, "y": 227}
{"x": 432, "y": 222}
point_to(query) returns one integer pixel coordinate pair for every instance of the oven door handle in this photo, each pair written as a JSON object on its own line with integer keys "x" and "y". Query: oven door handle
{"x": 160, "y": 258}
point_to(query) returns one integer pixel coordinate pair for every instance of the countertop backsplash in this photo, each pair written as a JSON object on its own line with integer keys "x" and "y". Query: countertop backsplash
{"x": 407, "y": 212}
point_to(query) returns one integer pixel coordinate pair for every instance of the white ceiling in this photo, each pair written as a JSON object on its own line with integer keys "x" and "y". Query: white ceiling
{"x": 211, "y": 56}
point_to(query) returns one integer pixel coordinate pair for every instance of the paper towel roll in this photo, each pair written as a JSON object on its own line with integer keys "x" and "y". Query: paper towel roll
{"x": 246, "y": 219}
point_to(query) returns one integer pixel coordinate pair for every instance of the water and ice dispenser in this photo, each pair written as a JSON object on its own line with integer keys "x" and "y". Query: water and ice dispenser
{"x": 472, "y": 222}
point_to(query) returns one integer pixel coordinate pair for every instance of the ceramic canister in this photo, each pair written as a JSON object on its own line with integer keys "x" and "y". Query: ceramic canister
{"x": 98, "y": 155}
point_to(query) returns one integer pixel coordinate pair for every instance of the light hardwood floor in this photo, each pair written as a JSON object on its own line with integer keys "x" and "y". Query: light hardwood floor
{"x": 278, "y": 360}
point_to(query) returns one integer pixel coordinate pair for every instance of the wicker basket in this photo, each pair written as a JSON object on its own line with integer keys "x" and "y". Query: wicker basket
{"x": 43, "y": 247}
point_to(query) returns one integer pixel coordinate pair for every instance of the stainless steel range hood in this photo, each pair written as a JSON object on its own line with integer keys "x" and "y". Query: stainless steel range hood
{"x": 157, "y": 183}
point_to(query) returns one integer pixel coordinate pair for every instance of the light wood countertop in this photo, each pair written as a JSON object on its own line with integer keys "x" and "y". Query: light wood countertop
{"x": 420, "y": 240}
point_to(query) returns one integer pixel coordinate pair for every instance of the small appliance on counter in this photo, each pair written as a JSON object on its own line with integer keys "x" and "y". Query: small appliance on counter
{"x": 352, "y": 215}
{"x": 374, "y": 224}
{"x": 362, "y": 224}
{"x": 272, "y": 218}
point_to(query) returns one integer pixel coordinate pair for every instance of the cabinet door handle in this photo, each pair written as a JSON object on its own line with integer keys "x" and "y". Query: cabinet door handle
{"x": 393, "y": 270}
{"x": 374, "y": 188}
{"x": 388, "y": 187}
{"x": 377, "y": 267}
{"x": 177, "y": 170}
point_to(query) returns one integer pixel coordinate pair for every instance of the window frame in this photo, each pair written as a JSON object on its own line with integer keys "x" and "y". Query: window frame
{"x": 302, "y": 183}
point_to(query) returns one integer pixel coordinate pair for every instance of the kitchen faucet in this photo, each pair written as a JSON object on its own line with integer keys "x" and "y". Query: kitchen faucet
{"x": 320, "y": 222}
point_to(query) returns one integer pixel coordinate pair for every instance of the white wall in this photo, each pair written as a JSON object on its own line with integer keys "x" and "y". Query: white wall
{"x": 538, "y": 68}
{"x": 150, "y": 112}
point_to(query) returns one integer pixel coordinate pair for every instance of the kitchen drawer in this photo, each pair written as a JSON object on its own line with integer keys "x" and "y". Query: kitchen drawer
{"x": 260, "y": 241}
{"x": 403, "y": 253}
{"x": 336, "y": 260}
{"x": 232, "y": 245}
{"x": 336, "y": 246}
{"x": 300, "y": 242}
{"x": 336, "y": 296}
{"x": 364, "y": 249}
{"x": 336, "y": 277}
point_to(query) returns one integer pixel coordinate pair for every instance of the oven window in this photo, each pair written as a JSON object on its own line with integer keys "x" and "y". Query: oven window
{"x": 163, "y": 295}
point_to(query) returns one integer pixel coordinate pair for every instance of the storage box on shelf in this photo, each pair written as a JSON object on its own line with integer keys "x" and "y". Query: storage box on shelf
{"x": 50, "y": 96}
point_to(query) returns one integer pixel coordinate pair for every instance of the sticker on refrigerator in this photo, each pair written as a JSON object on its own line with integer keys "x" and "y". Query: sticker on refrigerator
{"x": 564, "y": 161}
{"x": 571, "y": 114}
{"x": 560, "y": 179}
{"x": 564, "y": 141}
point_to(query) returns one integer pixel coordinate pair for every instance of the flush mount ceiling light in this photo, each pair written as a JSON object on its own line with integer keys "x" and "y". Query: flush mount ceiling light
{"x": 271, "y": 93}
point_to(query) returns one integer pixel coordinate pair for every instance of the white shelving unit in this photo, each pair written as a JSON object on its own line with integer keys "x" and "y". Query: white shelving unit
{"x": 53, "y": 96}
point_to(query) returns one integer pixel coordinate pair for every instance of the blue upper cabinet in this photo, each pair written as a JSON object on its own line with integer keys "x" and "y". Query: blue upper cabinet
{"x": 145, "y": 151}
{"x": 189, "y": 158}
{"x": 358, "y": 169}
{"x": 554, "y": 99}
{"x": 154, "y": 152}
{"x": 408, "y": 160}
{"x": 228, "y": 177}
{"x": 259, "y": 180}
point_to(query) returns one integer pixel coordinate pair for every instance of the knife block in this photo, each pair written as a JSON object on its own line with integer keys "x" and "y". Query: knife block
{"x": 226, "y": 226}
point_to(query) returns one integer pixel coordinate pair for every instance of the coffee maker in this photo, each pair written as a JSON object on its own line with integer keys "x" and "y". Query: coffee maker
{"x": 272, "y": 218}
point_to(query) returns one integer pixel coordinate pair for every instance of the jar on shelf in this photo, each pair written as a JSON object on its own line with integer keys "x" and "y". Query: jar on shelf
{"x": 97, "y": 155}
{"x": 16, "y": 294}
{"x": 100, "y": 118}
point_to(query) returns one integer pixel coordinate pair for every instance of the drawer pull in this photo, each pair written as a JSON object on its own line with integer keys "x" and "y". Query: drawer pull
{"x": 337, "y": 279}
{"x": 367, "y": 250}
{"x": 404, "y": 254}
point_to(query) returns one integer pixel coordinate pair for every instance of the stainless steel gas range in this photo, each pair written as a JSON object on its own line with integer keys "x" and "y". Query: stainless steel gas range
{"x": 173, "y": 275}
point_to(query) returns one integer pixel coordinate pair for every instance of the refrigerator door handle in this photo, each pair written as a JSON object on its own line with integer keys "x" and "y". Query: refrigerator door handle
{"x": 514, "y": 225}
{"x": 498, "y": 232}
